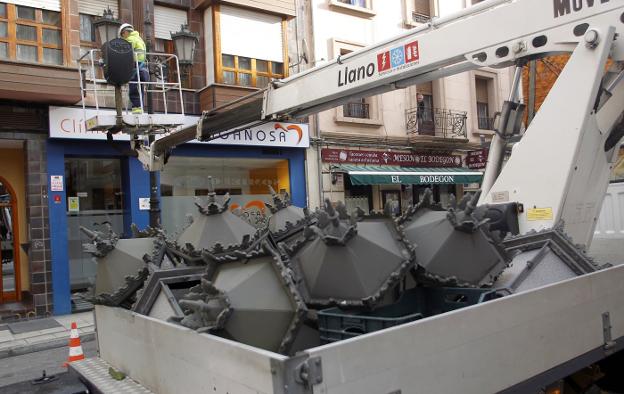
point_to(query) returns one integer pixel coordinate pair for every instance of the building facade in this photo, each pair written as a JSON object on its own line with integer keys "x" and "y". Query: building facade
{"x": 58, "y": 176}
{"x": 537, "y": 80}
{"x": 436, "y": 127}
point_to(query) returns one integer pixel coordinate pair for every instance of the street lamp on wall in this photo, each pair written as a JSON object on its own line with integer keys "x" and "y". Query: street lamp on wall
{"x": 184, "y": 43}
{"x": 107, "y": 26}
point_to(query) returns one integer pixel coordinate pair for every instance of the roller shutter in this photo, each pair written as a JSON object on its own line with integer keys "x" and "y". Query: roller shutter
{"x": 97, "y": 7}
{"x": 168, "y": 20}
{"x": 251, "y": 34}
{"x": 51, "y": 5}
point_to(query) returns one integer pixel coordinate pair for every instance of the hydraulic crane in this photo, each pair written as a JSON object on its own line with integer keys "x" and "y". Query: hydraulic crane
{"x": 559, "y": 171}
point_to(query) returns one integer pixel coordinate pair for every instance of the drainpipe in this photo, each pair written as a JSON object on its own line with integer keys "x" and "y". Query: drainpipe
{"x": 317, "y": 133}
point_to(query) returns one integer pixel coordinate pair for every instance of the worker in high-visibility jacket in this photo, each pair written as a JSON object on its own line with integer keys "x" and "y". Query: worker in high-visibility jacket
{"x": 127, "y": 32}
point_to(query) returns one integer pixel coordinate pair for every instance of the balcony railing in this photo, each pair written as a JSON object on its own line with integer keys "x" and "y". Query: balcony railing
{"x": 437, "y": 122}
{"x": 417, "y": 17}
{"x": 356, "y": 110}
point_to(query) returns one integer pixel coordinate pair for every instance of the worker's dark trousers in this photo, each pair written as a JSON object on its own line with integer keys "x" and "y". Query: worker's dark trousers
{"x": 133, "y": 88}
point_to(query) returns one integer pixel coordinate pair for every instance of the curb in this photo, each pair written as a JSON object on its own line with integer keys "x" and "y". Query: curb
{"x": 37, "y": 347}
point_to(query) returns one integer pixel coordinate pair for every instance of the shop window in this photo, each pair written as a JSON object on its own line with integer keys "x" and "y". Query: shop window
{"x": 97, "y": 182}
{"x": 392, "y": 200}
{"x": 30, "y": 34}
{"x": 245, "y": 71}
{"x": 246, "y": 180}
{"x": 358, "y": 196}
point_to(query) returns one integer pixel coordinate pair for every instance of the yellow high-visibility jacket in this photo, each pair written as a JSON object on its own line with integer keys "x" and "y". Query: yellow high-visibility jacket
{"x": 138, "y": 45}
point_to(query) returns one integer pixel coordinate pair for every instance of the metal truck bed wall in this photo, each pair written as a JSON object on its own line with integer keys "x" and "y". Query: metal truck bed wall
{"x": 507, "y": 343}
{"x": 167, "y": 358}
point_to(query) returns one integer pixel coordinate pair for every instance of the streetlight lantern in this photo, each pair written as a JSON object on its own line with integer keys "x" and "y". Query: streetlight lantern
{"x": 107, "y": 26}
{"x": 184, "y": 43}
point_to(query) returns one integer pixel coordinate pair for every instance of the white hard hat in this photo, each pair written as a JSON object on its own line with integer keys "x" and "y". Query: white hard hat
{"x": 124, "y": 27}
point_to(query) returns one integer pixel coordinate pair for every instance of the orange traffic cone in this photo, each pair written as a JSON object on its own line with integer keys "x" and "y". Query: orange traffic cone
{"x": 75, "y": 350}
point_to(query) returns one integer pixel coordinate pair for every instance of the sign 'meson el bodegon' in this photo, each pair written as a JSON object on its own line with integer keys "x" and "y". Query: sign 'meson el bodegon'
{"x": 390, "y": 158}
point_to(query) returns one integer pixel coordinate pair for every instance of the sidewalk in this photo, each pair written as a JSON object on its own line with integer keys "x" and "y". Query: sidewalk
{"x": 41, "y": 334}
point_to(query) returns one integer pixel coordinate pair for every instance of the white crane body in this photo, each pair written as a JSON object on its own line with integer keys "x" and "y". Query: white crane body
{"x": 557, "y": 172}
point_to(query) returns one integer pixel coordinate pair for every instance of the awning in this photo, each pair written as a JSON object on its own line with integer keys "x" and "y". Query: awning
{"x": 392, "y": 175}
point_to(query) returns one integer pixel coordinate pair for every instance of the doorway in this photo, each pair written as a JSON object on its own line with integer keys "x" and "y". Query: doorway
{"x": 393, "y": 197}
{"x": 95, "y": 201}
{"x": 10, "y": 285}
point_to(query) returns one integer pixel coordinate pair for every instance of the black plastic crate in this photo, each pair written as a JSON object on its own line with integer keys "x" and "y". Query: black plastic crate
{"x": 336, "y": 324}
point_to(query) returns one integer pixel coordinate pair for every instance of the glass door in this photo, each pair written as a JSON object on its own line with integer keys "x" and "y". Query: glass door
{"x": 9, "y": 252}
{"x": 94, "y": 199}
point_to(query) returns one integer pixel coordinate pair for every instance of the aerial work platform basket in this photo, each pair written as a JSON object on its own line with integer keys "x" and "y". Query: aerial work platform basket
{"x": 96, "y": 90}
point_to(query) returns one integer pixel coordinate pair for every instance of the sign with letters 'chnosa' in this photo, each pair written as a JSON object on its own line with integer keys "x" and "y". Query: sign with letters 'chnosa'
{"x": 69, "y": 122}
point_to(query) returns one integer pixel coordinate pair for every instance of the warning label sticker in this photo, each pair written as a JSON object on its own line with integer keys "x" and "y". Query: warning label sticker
{"x": 540, "y": 214}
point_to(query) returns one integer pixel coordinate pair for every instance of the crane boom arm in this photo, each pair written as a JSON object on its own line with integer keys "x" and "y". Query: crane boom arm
{"x": 493, "y": 33}
{"x": 564, "y": 148}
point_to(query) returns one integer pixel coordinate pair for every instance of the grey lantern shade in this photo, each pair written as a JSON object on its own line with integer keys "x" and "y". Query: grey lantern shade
{"x": 185, "y": 43}
{"x": 453, "y": 245}
{"x": 216, "y": 229}
{"x": 107, "y": 26}
{"x": 225, "y": 229}
{"x": 348, "y": 262}
{"x": 266, "y": 307}
{"x": 125, "y": 260}
{"x": 286, "y": 219}
{"x": 122, "y": 264}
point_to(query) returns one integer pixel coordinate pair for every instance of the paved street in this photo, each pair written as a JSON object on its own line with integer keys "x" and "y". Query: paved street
{"x": 29, "y": 366}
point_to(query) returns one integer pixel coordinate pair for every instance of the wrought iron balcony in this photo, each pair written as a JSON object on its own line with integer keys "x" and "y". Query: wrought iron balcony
{"x": 437, "y": 122}
{"x": 417, "y": 17}
{"x": 356, "y": 110}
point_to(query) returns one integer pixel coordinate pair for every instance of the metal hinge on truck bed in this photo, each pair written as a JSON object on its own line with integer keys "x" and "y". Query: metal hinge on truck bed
{"x": 298, "y": 374}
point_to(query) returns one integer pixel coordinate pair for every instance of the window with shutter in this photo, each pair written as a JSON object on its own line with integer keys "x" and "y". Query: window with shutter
{"x": 89, "y": 11}
{"x": 31, "y": 34}
{"x": 168, "y": 20}
{"x": 254, "y": 58}
{"x": 421, "y": 12}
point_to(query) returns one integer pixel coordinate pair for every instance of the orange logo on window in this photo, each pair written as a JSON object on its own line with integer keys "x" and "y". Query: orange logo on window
{"x": 292, "y": 127}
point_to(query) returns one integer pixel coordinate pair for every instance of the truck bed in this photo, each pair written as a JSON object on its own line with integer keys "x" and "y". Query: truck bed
{"x": 513, "y": 344}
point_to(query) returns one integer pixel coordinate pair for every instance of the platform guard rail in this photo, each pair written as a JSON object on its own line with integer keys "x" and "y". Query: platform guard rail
{"x": 90, "y": 67}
